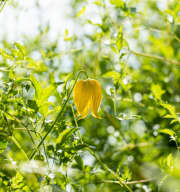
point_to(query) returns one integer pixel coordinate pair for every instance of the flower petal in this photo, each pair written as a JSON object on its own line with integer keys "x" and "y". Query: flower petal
{"x": 96, "y": 97}
{"x": 84, "y": 113}
{"x": 82, "y": 97}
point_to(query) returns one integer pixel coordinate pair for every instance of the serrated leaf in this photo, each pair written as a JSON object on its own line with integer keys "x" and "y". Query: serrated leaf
{"x": 42, "y": 95}
{"x": 157, "y": 91}
{"x": 169, "y": 107}
{"x": 171, "y": 110}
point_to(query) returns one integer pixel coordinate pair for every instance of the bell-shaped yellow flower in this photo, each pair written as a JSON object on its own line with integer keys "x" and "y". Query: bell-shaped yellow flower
{"x": 87, "y": 94}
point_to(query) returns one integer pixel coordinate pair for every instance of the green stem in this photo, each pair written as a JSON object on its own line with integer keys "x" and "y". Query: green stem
{"x": 59, "y": 114}
{"x": 2, "y": 4}
{"x": 76, "y": 124}
{"x": 155, "y": 57}
{"x": 28, "y": 131}
{"x": 114, "y": 102}
{"x": 115, "y": 175}
{"x": 19, "y": 146}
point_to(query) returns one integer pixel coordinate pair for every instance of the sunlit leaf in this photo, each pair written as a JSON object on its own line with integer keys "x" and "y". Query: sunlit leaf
{"x": 157, "y": 91}
{"x": 65, "y": 134}
{"x": 119, "y": 40}
{"x": 167, "y": 131}
{"x": 82, "y": 11}
{"x": 117, "y": 3}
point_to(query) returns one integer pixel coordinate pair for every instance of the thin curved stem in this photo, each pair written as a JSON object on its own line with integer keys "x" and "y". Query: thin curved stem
{"x": 120, "y": 181}
{"x": 59, "y": 114}
{"x": 3, "y": 3}
{"x": 155, "y": 57}
{"x": 19, "y": 146}
{"x": 26, "y": 128}
{"x": 76, "y": 124}
{"x": 129, "y": 182}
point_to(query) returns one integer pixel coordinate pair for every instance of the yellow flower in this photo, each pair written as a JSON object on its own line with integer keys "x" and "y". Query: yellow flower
{"x": 87, "y": 94}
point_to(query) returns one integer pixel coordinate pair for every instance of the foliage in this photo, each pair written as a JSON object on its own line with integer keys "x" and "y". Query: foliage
{"x": 134, "y": 52}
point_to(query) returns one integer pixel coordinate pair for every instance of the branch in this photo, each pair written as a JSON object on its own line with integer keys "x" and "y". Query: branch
{"x": 129, "y": 182}
{"x": 155, "y": 57}
{"x": 139, "y": 181}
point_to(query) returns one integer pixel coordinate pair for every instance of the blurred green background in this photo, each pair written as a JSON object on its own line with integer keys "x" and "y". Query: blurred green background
{"x": 133, "y": 49}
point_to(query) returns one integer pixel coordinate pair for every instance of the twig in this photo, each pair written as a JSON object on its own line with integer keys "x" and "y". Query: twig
{"x": 155, "y": 57}
{"x": 45, "y": 151}
{"x": 129, "y": 182}
{"x": 20, "y": 122}
{"x": 76, "y": 124}
{"x": 139, "y": 181}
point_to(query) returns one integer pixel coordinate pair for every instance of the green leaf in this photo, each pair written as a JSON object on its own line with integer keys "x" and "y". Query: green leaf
{"x": 117, "y": 3}
{"x": 81, "y": 12}
{"x": 18, "y": 183}
{"x": 37, "y": 66}
{"x": 99, "y": 3}
{"x": 119, "y": 40}
{"x": 66, "y": 36}
{"x": 32, "y": 104}
{"x": 41, "y": 96}
{"x": 65, "y": 134}
{"x": 46, "y": 93}
{"x": 21, "y": 50}
{"x": 79, "y": 162}
{"x": 170, "y": 108}
{"x": 44, "y": 108}
{"x": 127, "y": 174}
{"x": 3, "y": 145}
{"x": 170, "y": 161}
{"x": 111, "y": 74}
{"x": 157, "y": 91}
{"x": 167, "y": 131}
{"x": 37, "y": 86}
{"x": 6, "y": 55}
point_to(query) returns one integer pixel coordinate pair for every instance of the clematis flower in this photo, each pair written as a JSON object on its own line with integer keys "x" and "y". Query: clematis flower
{"x": 87, "y": 94}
